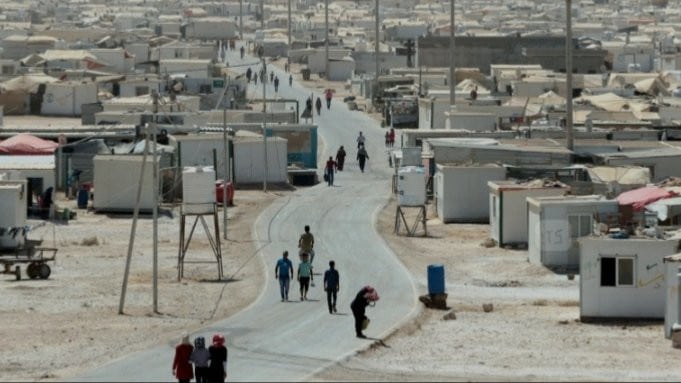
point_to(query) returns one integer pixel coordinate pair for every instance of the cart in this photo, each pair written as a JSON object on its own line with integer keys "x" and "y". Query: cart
{"x": 35, "y": 258}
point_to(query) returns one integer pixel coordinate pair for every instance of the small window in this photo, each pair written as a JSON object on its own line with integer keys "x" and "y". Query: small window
{"x": 617, "y": 271}
{"x": 580, "y": 225}
{"x": 141, "y": 90}
{"x": 7, "y": 69}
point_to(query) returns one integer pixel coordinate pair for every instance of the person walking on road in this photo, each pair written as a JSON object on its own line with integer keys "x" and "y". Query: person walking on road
{"x": 364, "y": 298}
{"x": 200, "y": 358}
{"x": 391, "y": 137}
{"x": 249, "y": 73}
{"x": 217, "y": 372}
{"x": 255, "y": 78}
{"x": 306, "y": 243}
{"x": 271, "y": 76}
{"x": 361, "y": 139}
{"x": 387, "y": 139}
{"x": 182, "y": 369}
{"x": 329, "y": 170}
{"x": 340, "y": 158}
{"x": 328, "y": 93}
{"x": 284, "y": 272}
{"x": 290, "y": 80}
{"x": 241, "y": 50}
{"x": 304, "y": 276}
{"x": 318, "y": 105}
{"x": 331, "y": 286}
{"x": 276, "y": 84}
{"x": 362, "y": 157}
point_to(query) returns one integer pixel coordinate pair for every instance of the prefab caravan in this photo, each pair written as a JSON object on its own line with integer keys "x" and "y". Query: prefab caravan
{"x": 623, "y": 278}
{"x": 672, "y": 305}
{"x": 13, "y": 205}
{"x": 250, "y": 165}
{"x": 556, "y": 223}
{"x": 461, "y": 192}
{"x": 508, "y": 207}
{"x": 116, "y": 180}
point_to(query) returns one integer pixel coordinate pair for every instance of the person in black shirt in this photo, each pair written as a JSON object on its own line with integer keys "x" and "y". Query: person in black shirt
{"x": 218, "y": 360}
{"x": 364, "y": 297}
{"x": 331, "y": 286}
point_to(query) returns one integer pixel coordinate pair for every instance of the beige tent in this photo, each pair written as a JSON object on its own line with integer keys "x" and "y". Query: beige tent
{"x": 27, "y": 83}
{"x": 652, "y": 86}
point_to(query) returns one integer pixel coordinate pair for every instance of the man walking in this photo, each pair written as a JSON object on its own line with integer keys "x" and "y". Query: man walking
{"x": 329, "y": 169}
{"x": 362, "y": 157}
{"x": 276, "y": 84}
{"x": 284, "y": 271}
{"x": 331, "y": 286}
{"x": 306, "y": 243}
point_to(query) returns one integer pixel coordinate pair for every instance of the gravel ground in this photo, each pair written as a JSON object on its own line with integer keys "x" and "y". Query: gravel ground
{"x": 533, "y": 332}
{"x": 60, "y": 326}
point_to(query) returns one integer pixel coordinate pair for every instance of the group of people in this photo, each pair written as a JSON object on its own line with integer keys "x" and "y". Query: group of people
{"x": 210, "y": 364}
{"x": 274, "y": 79}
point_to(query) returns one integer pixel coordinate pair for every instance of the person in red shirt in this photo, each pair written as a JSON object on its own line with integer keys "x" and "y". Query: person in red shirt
{"x": 329, "y": 95}
{"x": 391, "y": 137}
{"x": 329, "y": 170}
{"x": 182, "y": 369}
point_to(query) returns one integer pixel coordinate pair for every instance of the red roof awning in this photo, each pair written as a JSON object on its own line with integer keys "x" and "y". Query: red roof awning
{"x": 27, "y": 144}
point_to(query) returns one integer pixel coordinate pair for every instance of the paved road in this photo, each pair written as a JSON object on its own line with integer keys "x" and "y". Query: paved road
{"x": 275, "y": 341}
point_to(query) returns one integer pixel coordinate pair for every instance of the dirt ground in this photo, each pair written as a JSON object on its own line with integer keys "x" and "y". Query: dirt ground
{"x": 533, "y": 332}
{"x": 55, "y": 328}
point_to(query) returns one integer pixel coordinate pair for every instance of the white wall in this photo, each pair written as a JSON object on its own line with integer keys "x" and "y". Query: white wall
{"x": 193, "y": 69}
{"x": 212, "y": 28}
{"x": 13, "y": 196}
{"x": 341, "y": 70}
{"x": 140, "y": 50}
{"x": 477, "y": 122}
{"x": 662, "y": 167}
{"x": 249, "y": 160}
{"x": 461, "y": 192}
{"x": 432, "y": 113}
{"x": 199, "y": 152}
{"x": 66, "y": 99}
{"x": 645, "y": 299}
{"x": 116, "y": 180}
{"x": 549, "y": 241}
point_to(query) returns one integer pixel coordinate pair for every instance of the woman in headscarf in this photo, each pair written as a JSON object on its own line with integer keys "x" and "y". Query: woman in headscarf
{"x": 200, "y": 357}
{"x": 182, "y": 369}
{"x": 218, "y": 360}
{"x": 364, "y": 297}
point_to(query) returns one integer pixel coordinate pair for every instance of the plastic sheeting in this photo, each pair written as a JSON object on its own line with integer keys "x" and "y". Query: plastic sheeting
{"x": 639, "y": 198}
{"x": 666, "y": 208}
{"x": 27, "y": 144}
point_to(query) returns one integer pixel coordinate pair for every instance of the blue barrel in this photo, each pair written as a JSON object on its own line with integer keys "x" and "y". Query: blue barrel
{"x": 83, "y": 197}
{"x": 436, "y": 279}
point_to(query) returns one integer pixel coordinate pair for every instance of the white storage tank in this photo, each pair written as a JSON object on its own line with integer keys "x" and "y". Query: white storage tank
{"x": 12, "y": 213}
{"x": 411, "y": 186}
{"x": 198, "y": 190}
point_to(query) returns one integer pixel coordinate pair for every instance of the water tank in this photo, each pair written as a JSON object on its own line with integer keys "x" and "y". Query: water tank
{"x": 436, "y": 279}
{"x": 198, "y": 190}
{"x": 13, "y": 196}
{"x": 411, "y": 186}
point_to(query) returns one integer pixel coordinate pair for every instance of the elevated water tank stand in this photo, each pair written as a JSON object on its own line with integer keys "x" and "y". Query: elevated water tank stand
{"x": 413, "y": 228}
{"x": 214, "y": 241}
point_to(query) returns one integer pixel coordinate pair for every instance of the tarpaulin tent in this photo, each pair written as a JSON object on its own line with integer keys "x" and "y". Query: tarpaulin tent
{"x": 27, "y": 144}
{"x": 639, "y": 198}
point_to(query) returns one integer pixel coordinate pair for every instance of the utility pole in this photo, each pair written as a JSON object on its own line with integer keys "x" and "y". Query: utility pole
{"x": 261, "y": 53}
{"x": 155, "y": 208}
{"x": 288, "y": 55}
{"x": 133, "y": 230}
{"x": 376, "y": 50}
{"x": 262, "y": 15}
{"x": 241, "y": 20}
{"x": 568, "y": 78}
{"x": 225, "y": 148}
{"x": 452, "y": 56}
{"x": 326, "y": 37}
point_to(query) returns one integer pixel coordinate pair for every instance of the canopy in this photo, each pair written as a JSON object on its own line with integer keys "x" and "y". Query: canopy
{"x": 28, "y": 83}
{"x": 666, "y": 208}
{"x": 27, "y": 144}
{"x": 639, "y": 198}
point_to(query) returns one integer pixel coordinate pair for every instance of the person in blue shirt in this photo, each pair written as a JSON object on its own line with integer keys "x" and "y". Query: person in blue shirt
{"x": 331, "y": 286}
{"x": 284, "y": 271}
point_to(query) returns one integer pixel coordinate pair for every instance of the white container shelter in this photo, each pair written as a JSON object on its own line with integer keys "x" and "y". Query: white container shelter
{"x": 672, "y": 264}
{"x": 556, "y": 223}
{"x": 461, "y": 192}
{"x": 623, "y": 278}
{"x": 202, "y": 150}
{"x": 508, "y": 207}
{"x": 249, "y": 159}
{"x": 13, "y": 207}
{"x": 116, "y": 180}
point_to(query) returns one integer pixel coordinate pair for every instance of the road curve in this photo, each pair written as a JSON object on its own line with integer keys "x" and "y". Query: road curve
{"x": 275, "y": 341}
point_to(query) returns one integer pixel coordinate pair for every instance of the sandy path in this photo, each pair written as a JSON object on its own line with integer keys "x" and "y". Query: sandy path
{"x": 68, "y": 323}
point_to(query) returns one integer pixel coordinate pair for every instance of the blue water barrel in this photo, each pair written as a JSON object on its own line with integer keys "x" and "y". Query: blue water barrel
{"x": 436, "y": 279}
{"x": 83, "y": 197}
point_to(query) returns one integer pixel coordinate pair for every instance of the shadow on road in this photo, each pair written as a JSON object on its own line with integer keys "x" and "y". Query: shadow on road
{"x": 225, "y": 281}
